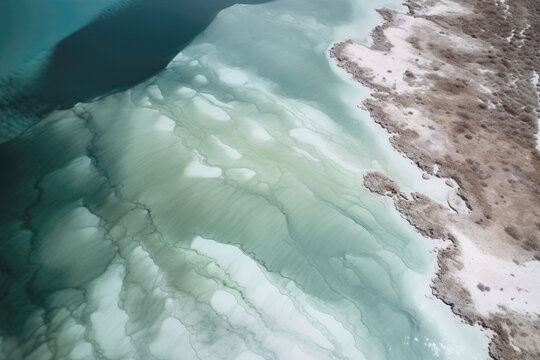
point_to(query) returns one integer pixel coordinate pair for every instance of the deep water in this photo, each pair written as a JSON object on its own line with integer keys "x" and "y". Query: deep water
{"x": 216, "y": 209}
{"x": 29, "y": 29}
{"x": 126, "y": 44}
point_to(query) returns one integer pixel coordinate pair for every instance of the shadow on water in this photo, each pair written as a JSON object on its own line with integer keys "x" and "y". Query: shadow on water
{"x": 114, "y": 52}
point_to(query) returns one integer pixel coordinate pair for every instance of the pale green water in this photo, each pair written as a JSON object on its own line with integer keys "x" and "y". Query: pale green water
{"x": 217, "y": 212}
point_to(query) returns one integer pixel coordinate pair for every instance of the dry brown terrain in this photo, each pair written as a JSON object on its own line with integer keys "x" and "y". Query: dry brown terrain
{"x": 456, "y": 84}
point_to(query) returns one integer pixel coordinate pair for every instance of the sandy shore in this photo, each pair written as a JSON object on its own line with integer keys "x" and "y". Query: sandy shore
{"x": 456, "y": 85}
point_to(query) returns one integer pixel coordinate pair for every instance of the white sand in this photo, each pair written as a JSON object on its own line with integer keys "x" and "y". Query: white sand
{"x": 520, "y": 283}
{"x": 521, "y": 289}
{"x": 446, "y": 8}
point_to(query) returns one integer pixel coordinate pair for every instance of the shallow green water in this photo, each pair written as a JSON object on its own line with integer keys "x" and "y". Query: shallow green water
{"x": 216, "y": 212}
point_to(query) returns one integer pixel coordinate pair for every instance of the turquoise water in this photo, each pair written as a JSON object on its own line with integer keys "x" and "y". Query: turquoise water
{"x": 216, "y": 211}
{"x": 122, "y": 43}
{"x": 30, "y": 28}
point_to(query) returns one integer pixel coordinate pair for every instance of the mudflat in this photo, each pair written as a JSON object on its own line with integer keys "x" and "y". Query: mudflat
{"x": 455, "y": 83}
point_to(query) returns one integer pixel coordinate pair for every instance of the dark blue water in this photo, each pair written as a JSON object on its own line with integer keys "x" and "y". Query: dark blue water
{"x": 117, "y": 50}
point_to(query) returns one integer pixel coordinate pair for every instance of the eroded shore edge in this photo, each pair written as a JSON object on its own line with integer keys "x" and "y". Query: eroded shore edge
{"x": 455, "y": 85}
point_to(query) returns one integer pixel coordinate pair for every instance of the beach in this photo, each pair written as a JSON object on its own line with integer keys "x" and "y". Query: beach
{"x": 213, "y": 186}
{"x": 455, "y": 85}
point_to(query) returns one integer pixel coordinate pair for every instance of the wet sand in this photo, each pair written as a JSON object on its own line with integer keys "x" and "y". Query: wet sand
{"x": 456, "y": 86}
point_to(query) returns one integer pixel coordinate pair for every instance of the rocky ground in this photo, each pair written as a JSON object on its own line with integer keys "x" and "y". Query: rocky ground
{"x": 456, "y": 84}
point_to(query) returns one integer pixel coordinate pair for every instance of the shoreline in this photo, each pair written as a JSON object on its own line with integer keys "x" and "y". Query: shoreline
{"x": 449, "y": 80}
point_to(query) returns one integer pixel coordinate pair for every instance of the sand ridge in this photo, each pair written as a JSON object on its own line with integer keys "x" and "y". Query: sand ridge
{"x": 453, "y": 82}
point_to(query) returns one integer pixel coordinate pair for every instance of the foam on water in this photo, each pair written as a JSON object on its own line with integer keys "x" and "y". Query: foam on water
{"x": 224, "y": 218}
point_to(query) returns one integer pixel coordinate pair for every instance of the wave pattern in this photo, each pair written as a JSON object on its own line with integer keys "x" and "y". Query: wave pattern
{"x": 216, "y": 212}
